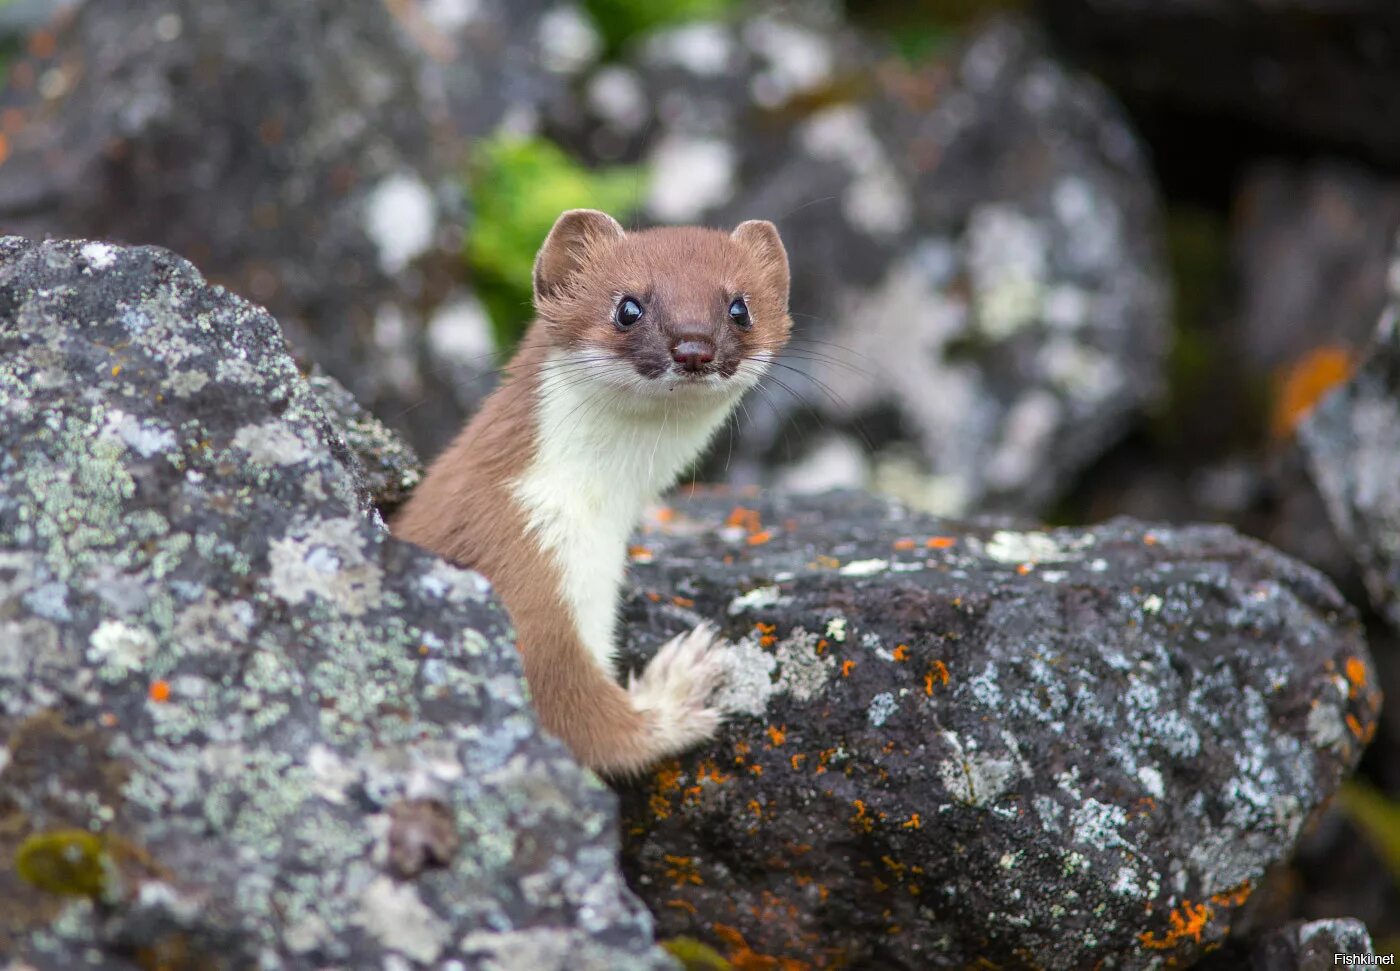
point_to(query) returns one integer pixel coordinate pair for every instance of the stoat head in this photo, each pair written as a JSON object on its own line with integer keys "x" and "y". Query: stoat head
{"x": 674, "y": 312}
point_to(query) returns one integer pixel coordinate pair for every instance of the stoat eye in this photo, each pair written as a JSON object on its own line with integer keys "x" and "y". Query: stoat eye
{"x": 739, "y": 313}
{"x": 629, "y": 311}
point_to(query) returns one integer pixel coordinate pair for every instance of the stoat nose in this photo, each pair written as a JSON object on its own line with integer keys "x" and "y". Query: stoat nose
{"x": 693, "y": 353}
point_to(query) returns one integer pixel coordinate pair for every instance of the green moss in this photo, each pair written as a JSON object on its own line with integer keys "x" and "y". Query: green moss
{"x": 619, "y": 22}
{"x": 919, "y": 32}
{"x": 1211, "y": 407}
{"x": 520, "y": 186}
{"x": 66, "y": 861}
{"x": 695, "y": 955}
{"x": 1378, "y": 818}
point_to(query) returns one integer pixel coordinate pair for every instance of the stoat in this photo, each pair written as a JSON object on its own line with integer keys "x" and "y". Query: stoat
{"x": 642, "y": 345}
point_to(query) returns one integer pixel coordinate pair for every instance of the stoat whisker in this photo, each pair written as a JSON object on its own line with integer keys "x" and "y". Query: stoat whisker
{"x": 829, "y": 343}
{"x": 820, "y": 359}
{"x": 768, "y": 399}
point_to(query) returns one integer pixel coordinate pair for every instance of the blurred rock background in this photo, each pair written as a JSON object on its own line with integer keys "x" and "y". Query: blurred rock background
{"x": 1059, "y": 260}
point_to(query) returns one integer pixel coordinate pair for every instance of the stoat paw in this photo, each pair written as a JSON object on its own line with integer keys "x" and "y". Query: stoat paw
{"x": 675, "y": 689}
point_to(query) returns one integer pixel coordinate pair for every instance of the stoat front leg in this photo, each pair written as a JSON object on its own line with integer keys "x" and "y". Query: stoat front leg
{"x": 675, "y": 690}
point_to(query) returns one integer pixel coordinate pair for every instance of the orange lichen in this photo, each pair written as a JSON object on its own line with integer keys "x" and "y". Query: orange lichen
{"x": 862, "y": 819}
{"x": 777, "y": 735}
{"x": 1187, "y": 921}
{"x": 938, "y": 672}
{"x": 683, "y": 602}
{"x": 904, "y": 544}
{"x": 744, "y": 958}
{"x": 1149, "y": 539}
{"x": 708, "y": 771}
{"x": 913, "y": 822}
{"x": 1356, "y": 675}
{"x": 901, "y": 652}
{"x": 760, "y": 537}
{"x": 940, "y": 542}
{"x": 847, "y": 666}
{"x": 679, "y": 904}
{"x": 668, "y": 776}
{"x": 665, "y": 514}
{"x": 160, "y": 691}
{"x": 640, "y": 553}
{"x": 756, "y": 770}
{"x": 1025, "y": 568}
{"x": 797, "y": 761}
{"x": 755, "y": 807}
{"x": 682, "y": 870}
{"x": 1354, "y": 724}
{"x": 748, "y": 519}
{"x": 116, "y": 369}
{"x": 1303, "y": 384}
{"x": 826, "y": 562}
{"x": 1234, "y": 896}
{"x": 660, "y": 806}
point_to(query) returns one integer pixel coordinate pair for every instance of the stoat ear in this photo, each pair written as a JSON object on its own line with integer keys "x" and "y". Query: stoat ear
{"x": 566, "y": 249}
{"x": 761, "y": 239}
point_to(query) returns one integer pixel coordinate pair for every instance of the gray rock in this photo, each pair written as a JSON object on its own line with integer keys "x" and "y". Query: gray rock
{"x": 978, "y": 290}
{"x": 489, "y": 64}
{"x": 1352, "y": 444}
{"x": 243, "y": 727}
{"x": 955, "y": 742}
{"x": 289, "y": 151}
{"x": 1312, "y": 945}
{"x": 1319, "y": 70}
{"x": 389, "y": 466}
{"x": 1312, "y": 246}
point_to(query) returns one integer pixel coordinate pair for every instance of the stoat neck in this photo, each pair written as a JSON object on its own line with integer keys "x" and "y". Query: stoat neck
{"x": 594, "y": 468}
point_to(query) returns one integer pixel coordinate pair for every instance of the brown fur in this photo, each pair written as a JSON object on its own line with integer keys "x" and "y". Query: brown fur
{"x": 465, "y": 510}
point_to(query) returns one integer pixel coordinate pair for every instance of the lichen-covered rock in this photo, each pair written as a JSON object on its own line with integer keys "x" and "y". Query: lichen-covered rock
{"x": 1060, "y": 749}
{"x": 492, "y": 64}
{"x": 978, "y": 290}
{"x": 241, "y": 725}
{"x": 1352, "y": 444}
{"x": 1312, "y": 244}
{"x": 389, "y": 466}
{"x": 1312, "y": 945}
{"x": 289, "y": 151}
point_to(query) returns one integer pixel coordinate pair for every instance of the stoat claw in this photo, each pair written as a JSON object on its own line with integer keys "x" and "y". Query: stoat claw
{"x": 675, "y": 689}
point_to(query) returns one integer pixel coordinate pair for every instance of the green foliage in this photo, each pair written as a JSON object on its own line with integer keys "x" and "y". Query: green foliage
{"x": 66, "y": 861}
{"x": 927, "y": 29}
{"x": 621, "y": 21}
{"x": 519, "y": 187}
{"x": 695, "y": 955}
{"x": 1378, "y": 818}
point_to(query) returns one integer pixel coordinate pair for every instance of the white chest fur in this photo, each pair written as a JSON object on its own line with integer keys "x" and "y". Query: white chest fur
{"x": 607, "y": 444}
